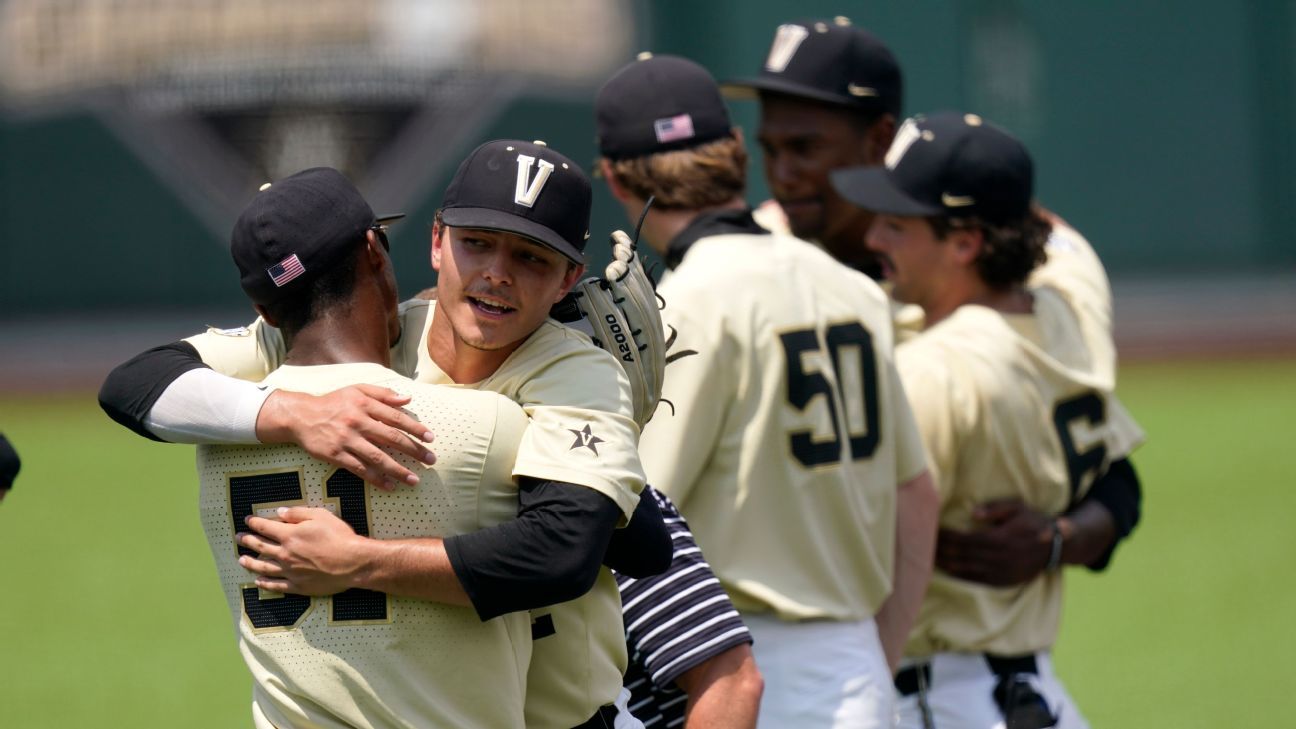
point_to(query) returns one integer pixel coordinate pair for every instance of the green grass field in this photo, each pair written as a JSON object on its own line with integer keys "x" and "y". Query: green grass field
{"x": 111, "y": 615}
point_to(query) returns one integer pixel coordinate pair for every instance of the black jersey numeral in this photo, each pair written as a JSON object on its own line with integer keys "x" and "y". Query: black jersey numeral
{"x": 1080, "y": 465}
{"x": 849, "y": 364}
{"x": 354, "y": 604}
{"x": 287, "y": 611}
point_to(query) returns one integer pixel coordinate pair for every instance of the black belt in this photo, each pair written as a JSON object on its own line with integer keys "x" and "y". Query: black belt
{"x": 604, "y": 718}
{"x": 907, "y": 680}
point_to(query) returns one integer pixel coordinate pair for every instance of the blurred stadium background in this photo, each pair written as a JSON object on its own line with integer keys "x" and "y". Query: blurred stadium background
{"x": 132, "y": 131}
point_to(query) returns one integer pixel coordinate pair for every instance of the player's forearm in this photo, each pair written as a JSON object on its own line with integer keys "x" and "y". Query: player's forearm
{"x": 415, "y": 568}
{"x": 551, "y": 553}
{"x": 917, "y": 512}
{"x": 167, "y": 393}
{"x": 1104, "y": 518}
{"x": 723, "y": 692}
{"x": 1088, "y": 533}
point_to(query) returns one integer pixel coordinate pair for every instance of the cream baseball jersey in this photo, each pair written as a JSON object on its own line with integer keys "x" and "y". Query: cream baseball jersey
{"x": 363, "y": 658}
{"x": 1005, "y": 413}
{"x": 1073, "y": 270}
{"x": 581, "y": 431}
{"x": 576, "y": 395}
{"x": 790, "y": 430}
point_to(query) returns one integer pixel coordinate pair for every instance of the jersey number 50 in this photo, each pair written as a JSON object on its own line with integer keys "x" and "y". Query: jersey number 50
{"x": 286, "y": 611}
{"x": 846, "y": 361}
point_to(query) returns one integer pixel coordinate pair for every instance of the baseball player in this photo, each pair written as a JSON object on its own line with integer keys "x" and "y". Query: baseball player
{"x": 791, "y": 448}
{"x": 830, "y": 95}
{"x": 507, "y": 245}
{"x": 9, "y": 466}
{"x": 1008, "y": 398}
{"x": 313, "y": 260}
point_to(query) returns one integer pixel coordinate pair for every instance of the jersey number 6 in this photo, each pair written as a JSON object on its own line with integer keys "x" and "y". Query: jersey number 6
{"x": 846, "y": 361}
{"x": 287, "y": 611}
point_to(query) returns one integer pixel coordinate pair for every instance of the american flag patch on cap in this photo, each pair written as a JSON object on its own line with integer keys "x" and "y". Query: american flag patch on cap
{"x": 673, "y": 128}
{"x": 286, "y": 270}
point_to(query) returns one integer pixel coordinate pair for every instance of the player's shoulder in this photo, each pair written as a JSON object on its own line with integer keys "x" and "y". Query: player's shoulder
{"x": 770, "y": 216}
{"x": 558, "y": 365}
{"x": 1071, "y": 264}
{"x": 969, "y": 333}
{"x": 413, "y": 313}
{"x": 556, "y": 341}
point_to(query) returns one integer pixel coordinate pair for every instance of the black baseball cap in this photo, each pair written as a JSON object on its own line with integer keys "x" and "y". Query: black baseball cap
{"x": 295, "y": 229}
{"x": 658, "y": 104}
{"x": 949, "y": 164}
{"x": 524, "y": 188}
{"x": 830, "y": 61}
{"x": 10, "y": 464}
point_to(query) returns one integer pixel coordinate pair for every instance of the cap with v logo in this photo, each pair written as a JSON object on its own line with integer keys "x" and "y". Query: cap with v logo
{"x": 830, "y": 61}
{"x": 949, "y": 164}
{"x": 524, "y": 188}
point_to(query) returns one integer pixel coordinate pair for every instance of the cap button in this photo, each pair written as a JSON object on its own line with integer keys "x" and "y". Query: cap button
{"x": 972, "y": 120}
{"x": 643, "y": 56}
{"x": 539, "y": 143}
{"x": 264, "y": 187}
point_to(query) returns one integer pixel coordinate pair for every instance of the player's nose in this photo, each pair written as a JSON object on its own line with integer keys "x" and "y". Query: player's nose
{"x": 498, "y": 268}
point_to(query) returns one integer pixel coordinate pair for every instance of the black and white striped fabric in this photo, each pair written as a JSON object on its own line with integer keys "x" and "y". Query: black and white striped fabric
{"x": 674, "y": 621}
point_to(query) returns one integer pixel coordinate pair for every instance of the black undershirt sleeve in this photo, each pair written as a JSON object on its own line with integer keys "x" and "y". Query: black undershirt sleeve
{"x": 643, "y": 548}
{"x": 131, "y": 389}
{"x": 550, "y": 553}
{"x": 1119, "y": 491}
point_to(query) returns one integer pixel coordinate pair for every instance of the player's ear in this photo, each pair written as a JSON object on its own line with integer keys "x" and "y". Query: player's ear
{"x": 438, "y": 239}
{"x": 966, "y": 244}
{"x": 574, "y": 273}
{"x": 373, "y": 248}
{"x": 261, "y": 310}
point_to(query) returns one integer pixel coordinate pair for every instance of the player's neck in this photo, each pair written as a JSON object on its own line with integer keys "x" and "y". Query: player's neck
{"x": 662, "y": 226}
{"x": 337, "y": 337}
{"x": 972, "y": 291}
{"x": 462, "y": 363}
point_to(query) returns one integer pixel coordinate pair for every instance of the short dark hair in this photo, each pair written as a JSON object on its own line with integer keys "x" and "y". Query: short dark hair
{"x": 330, "y": 289}
{"x": 1010, "y": 251}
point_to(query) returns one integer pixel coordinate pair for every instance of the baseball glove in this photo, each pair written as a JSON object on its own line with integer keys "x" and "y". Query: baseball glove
{"x": 620, "y": 312}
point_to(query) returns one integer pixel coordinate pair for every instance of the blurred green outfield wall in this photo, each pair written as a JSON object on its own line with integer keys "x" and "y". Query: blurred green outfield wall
{"x": 1165, "y": 132}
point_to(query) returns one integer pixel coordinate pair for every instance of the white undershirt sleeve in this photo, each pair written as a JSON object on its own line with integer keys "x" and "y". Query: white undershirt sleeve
{"x": 203, "y": 406}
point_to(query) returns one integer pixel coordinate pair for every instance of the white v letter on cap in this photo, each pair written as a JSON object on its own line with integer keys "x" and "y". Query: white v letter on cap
{"x": 787, "y": 39}
{"x": 528, "y": 190}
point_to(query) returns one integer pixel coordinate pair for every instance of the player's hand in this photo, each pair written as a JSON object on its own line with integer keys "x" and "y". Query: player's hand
{"x": 308, "y": 551}
{"x": 1011, "y": 546}
{"x": 349, "y": 428}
